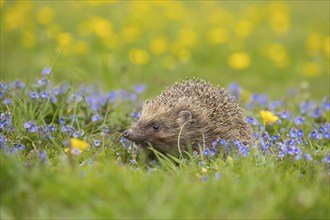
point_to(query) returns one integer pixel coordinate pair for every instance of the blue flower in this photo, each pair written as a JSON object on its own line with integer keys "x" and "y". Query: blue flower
{"x": 52, "y": 128}
{"x": 300, "y": 133}
{"x": 326, "y": 159}
{"x": 78, "y": 134}
{"x": 251, "y": 120}
{"x": 44, "y": 95}
{"x": 282, "y": 154}
{"x": 61, "y": 121}
{"x": 68, "y": 129}
{"x": 306, "y": 106}
{"x": 97, "y": 143}
{"x": 106, "y": 130}
{"x": 315, "y": 135}
{"x": 316, "y": 113}
{"x": 7, "y": 101}
{"x": 31, "y": 126}
{"x": 34, "y": 95}
{"x": 28, "y": 124}
{"x": 205, "y": 152}
{"x": 140, "y": 88}
{"x": 299, "y": 120}
{"x": 308, "y": 157}
{"x": 19, "y": 84}
{"x": 235, "y": 90}
{"x": 112, "y": 96}
{"x": 21, "y": 147}
{"x": 96, "y": 118}
{"x": 53, "y": 99}
{"x": 46, "y": 71}
{"x": 124, "y": 142}
{"x": 284, "y": 115}
{"x": 42, "y": 154}
{"x": 42, "y": 81}
{"x": 276, "y": 137}
{"x": 136, "y": 115}
{"x": 326, "y": 105}
{"x": 244, "y": 150}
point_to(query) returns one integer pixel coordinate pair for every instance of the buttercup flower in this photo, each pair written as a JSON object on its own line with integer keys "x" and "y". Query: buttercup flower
{"x": 268, "y": 117}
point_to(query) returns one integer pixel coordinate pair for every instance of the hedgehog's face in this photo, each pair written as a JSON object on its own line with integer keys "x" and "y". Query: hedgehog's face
{"x": 160, "y": 130}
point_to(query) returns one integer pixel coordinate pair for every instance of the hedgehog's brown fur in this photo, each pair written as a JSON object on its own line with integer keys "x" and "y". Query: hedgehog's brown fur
{"x": 190, "y": 113}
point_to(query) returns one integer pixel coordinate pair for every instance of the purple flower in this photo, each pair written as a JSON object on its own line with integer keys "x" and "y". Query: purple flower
{"x": 281, "y": 154}
{"x": 61, "y": 121}
{"x": 53, "y": 99}
{"x": 7, "y": 101}
{"x": 20, "y": 147}
{"x": 96, "y": 118}
{"x": 34, "y": 128}
{"x": 308, "y": 157}
{"x": 42, "y": 81}
{"x": 284, "y": 114}
{"x": 140, "y": 88}
{"x": 136, "y": 115}
{"x": 300, "y": 133}
{"x": 235, "y": 90}
{"x": 52, "y": 128}
{"x": 78, "y": 134}
{"x": 46, "y": 71}
{"x": 244, "y": 150}
{"x": 252, "y": 121}
{"x": 299, "y": 120}
{"x": 68, "y": 129}
{"x": 44, "y": 95}
{"x": 97, "y": 143}
{"x": 326, "y": 105}
{"x": 306, "y": 106}
{"x": 316, "y": 113}
{"x": 42, "y": 154}
{"x": 106, "y": 130}
{"x": 19, "y": 84}
{"x": 315, "y": 135}
{"x": 28, "y": 124}
{"x": 34, "y": 95}
{"x": 205, "y": 152}
{"x": 124, "y": 142}
{"x": 326, "y": 159}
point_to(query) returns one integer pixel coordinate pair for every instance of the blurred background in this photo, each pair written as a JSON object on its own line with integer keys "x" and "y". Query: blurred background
{"x": 265, "y": 46}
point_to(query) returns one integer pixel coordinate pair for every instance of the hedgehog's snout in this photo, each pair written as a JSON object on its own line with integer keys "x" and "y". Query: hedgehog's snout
{"x": 127, "y": 133}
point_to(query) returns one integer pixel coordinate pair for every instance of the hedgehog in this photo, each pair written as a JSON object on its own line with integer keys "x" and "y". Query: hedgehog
{"x": 190, "y": 114}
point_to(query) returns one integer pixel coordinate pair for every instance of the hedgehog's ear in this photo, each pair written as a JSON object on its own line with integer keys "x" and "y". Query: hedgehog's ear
{"x": 185, "y": 116}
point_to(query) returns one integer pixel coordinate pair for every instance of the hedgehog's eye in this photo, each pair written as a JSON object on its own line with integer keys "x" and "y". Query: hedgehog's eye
{"x": 155, "y": 127}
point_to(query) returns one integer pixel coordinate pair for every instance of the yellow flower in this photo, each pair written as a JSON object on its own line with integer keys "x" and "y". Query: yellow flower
{"x": 217, "y": 36}
{"x": 81, "y": 47}
{"x": 313, "y": 43}
{"x": 279, "y": 17}
{"x": 130, "y": 34}
{"x": 158, "y": 45}
{"x": 326, "y": 46}
{"x": 311, "y": 69}
{"x": 100, "y": 27}
{"x": 188, "y": 37}
{"x": 268, "y": 117}
{"x": 138, "y": 56}
{"x": 45, "y": 15}
{"x": 64, "y": 39}
{"x": 239, "y": 60}
{"x": 243, "y": 28}
{"x": 278, "y": 55}
{"x": 76, "y": 146}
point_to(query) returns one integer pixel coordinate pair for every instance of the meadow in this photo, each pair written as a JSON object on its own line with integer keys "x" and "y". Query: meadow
{"x": 75, "y": 73}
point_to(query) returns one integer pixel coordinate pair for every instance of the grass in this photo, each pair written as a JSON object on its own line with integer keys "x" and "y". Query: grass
{"x": 278, "y": 53}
